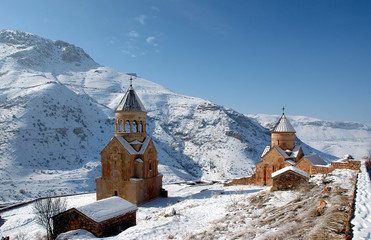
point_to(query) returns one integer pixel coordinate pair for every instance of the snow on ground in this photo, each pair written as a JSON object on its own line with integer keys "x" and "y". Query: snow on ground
{"x": 196, "y": 207}
{"x": 289, "y": 214}
{"x": 362, "y": 214}
{"x": 19, "y": 222}
{"x": 213, "y": 211}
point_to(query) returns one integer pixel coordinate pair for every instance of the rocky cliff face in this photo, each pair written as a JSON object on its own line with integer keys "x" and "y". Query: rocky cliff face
{"x": 33, "y": 52}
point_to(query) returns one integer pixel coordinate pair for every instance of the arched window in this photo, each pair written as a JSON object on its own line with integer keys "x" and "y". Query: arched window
{"x": 127, "y": 126}
{"x": 135, "y": 126}
{"x": 140, "y": 127}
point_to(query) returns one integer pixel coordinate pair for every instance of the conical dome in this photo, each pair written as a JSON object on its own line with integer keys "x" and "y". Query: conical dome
{"x": 283, "y": 126}
{"x": 130, "y": 102}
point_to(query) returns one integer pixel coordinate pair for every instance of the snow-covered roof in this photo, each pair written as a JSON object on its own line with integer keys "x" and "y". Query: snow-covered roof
{"x": 295, "y": 151}
{"x": 131, "y": 102}
{"x": 290, "y": 168}
{"x": 107, "y": 208}
{"x": 283, "y": 153}
{"x": 266, "y": 149}
{"x": 130, "y": 149}
{"x": 315, "y": 160}
{"x": 345, "y": 158}
{"x": 283, "y": 125}
{"x": 342, "y": 160}
{"x": 291, "y": 162}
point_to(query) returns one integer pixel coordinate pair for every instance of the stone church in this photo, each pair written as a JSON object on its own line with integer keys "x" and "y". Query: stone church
{"x": 129, "y": 161}
{"x": 285, "y": 159}
{"x": 281, "y": 153}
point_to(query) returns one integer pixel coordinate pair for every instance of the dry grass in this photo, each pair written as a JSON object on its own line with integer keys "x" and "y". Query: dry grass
{"x": 255, "y": 218}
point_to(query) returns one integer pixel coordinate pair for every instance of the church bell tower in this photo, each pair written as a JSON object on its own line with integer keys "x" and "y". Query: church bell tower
{"x": 130, "y": 117}
{"x": 129, "y": 161}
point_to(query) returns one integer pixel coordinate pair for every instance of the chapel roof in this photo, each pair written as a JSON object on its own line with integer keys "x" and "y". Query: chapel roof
{"x": 291, "y": 169}
{"x": 288, "y": 154}
{"x": 130, "y": 102}
{"x": 265, "y": 151}
{"x": 283, "y": 126}
{"x": 107, "y": 208}
{"x": 315, "y": 160}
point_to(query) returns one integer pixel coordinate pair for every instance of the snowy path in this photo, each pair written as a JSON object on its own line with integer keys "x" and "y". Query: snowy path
{"x": 362, "y": 215}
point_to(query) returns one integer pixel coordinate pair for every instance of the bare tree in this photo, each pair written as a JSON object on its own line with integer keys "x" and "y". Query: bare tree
{"x": 45, "y": 209}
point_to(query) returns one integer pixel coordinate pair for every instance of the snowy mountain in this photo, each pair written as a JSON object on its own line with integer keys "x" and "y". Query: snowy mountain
{"x": 57, "y": 114}
{"x": 333, "y": 137}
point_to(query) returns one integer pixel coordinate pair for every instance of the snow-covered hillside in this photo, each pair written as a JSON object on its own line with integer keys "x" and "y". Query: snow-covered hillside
{"x": 333, "y": 137}
{"x": 57, "y": 114}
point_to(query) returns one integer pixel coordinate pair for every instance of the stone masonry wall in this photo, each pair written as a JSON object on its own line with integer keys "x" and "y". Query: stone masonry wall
{"x": 72, "y": 219}
{"x": 353, "y": 165}
{"x": 288, "y": 180}
{"x": 320, "y": 169}
{"x": 241, "y": 181}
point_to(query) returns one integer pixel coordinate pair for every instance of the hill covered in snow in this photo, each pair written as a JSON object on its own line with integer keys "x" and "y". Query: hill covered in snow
{"x": 57, "y": 114}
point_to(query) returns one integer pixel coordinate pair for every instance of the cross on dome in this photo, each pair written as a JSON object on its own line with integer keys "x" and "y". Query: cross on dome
{"x": 131, "y": 101}
{"x": 131, "y": 81}
{"x": 283, "y": 124}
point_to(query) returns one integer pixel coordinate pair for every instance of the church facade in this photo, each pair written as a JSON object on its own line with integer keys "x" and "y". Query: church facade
{"x": 129, "y": 161}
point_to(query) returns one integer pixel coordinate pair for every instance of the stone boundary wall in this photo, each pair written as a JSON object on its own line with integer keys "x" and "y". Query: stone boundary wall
{"x": 321, "y": 170}
{"x": 353, "y": 165}
{"x": 241, "y": 181}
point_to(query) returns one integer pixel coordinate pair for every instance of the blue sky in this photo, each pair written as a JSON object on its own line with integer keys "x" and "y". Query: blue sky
{"x": 313, "y": 57}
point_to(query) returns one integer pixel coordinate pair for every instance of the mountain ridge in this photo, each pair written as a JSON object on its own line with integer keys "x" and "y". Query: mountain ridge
{"x": 56, "y": 117}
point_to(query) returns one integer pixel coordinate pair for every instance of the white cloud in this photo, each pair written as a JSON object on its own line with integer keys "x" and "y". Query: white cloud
{"x": 150, "y": 39}
{"x": 141, "y": 19}
{"x": 126, "y": 52}
{"x": 154, "y": 8}
{"x": 133, "y": 34}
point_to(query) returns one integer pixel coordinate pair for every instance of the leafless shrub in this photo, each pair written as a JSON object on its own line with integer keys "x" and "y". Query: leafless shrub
{"x": 45, "y": 209}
